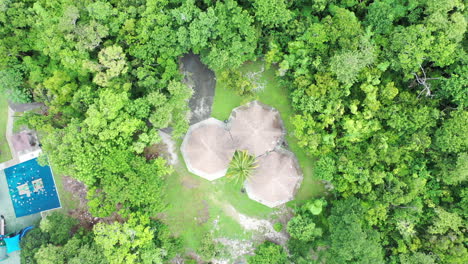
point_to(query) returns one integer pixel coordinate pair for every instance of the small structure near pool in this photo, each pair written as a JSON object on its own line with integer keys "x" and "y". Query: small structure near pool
{"x": 209, "y": 146}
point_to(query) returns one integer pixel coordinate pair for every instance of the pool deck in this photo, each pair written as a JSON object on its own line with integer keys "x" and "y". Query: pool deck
{"x": 13, "y": 224}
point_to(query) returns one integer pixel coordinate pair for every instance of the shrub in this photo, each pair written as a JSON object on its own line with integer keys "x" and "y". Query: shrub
{"x": 268, "y": 253}
{"x": 241, "y": 166}
{"x": 278, "y": 227}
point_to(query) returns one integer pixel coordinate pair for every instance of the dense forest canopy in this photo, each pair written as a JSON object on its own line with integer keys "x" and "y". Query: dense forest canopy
{"x": 379, "y": 88}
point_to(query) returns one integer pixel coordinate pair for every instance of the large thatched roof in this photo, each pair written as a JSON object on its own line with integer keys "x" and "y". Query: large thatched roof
{"x": 207, "y": 149}
{"x": 256, "y": 127}
{"x": 276, "y": 179}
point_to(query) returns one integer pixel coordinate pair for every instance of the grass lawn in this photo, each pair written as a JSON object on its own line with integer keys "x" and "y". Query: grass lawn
{"x": 198, "y": 206}
{"x": 5, "y": 153}
{"x": 67, "y": 201}
{"x": 277, "y": 96}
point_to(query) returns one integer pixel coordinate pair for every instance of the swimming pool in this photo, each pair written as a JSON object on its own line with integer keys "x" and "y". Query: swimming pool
{"x": 32, "y": 188}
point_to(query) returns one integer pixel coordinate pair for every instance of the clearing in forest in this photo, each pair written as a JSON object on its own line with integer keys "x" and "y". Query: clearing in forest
{"x": 220, "y": 208}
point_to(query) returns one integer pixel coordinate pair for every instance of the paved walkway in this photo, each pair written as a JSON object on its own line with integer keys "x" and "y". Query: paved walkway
{"x": 9, "y": 133}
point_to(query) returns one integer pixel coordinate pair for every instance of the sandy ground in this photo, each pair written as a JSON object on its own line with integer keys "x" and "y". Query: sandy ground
{"x": 81, "y": 212}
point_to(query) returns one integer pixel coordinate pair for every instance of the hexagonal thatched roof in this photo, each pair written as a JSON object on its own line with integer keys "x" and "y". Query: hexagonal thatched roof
{"x": 208, "y": 149}
{"x": 276, "y": 179}
{"x": 256, "y": 127}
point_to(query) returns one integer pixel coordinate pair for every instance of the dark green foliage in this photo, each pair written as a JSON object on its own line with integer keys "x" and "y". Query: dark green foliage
{"x": 31, "y": 243}
{"x": 268, "y": 253}
{"x": 56, "y": 241}
{"x": 59, "y": 227}
{"x": 351, "y": 240}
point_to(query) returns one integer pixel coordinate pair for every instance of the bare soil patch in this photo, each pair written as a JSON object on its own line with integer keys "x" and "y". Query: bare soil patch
{"x": 79, "y": 192}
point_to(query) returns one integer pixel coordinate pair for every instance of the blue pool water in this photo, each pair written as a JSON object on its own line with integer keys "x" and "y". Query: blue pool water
{"x": 36, "y": 192}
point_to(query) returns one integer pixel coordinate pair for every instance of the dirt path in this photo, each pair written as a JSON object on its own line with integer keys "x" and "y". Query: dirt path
{"x": 262, "y": 228}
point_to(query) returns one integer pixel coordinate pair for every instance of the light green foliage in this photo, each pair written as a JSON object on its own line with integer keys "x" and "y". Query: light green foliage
{"x": 459, "y": 173}
{"x": 49, "y": 254}
{"x": 303, "y": 228}
{"x": 451, "y": 137}
{"x": 272, "y": 13}
{"x": 343, "y": 28}
{"x": 268, "y": 253}
{"x": 382, "y": 15}
{"x": 348, "y": 64}
{"x": 235, "y": 80}
{"x": 455, "y": 87}
{"x": 59, "y": 241}
{"x": 411, "y": 44}
{"x": 417, "y": 258}
{"x": 278, "y": 227}
{"x": 315, "y": 207}
{"x": 241, "y": 167}
{"x": 130, "y": 242}
{"x": 112, "y": 63}
{"x": 12, "y": 84}
{"x": 58, "y": 226}
{"x": 172, "y": 109}
{"x": 106, "y": 134}
{"x": 446, "y": 221}
{"x": 209, "y": 248}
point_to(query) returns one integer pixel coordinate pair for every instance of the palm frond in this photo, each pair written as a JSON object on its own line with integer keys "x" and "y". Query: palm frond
{"x": 241, "y": 167}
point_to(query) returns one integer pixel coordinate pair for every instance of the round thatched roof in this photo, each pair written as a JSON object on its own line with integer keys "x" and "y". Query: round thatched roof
{"x": 276, "y": 179}
{"x": 256, "y": 127}
{"x": 208, "y": 149}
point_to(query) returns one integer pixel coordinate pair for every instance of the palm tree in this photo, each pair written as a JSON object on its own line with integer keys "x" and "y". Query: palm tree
{"x": 241, "y": 167}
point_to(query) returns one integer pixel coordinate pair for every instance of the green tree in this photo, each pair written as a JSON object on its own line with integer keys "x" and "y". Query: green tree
{"x": 268, "y": 252}
{"x": 272, "y": 13}
{"x": 130, "y": 242}
{"x": 303, "y": 228}
{"x": 30, "y": 244}
{"x": 350, "y": 239}
{"x": 59, "y": 227}
{"x": 49, "y": 254}
{"x": 12, "y": 84}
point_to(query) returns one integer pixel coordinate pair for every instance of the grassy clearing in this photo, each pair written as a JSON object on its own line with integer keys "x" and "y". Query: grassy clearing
{"x": 277, "y": 96}
{"x": 195, "y": 205}
{"x": 198, "y": 206}
{"x": 5, "y": 153}
{"x": 67, "y": 201}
